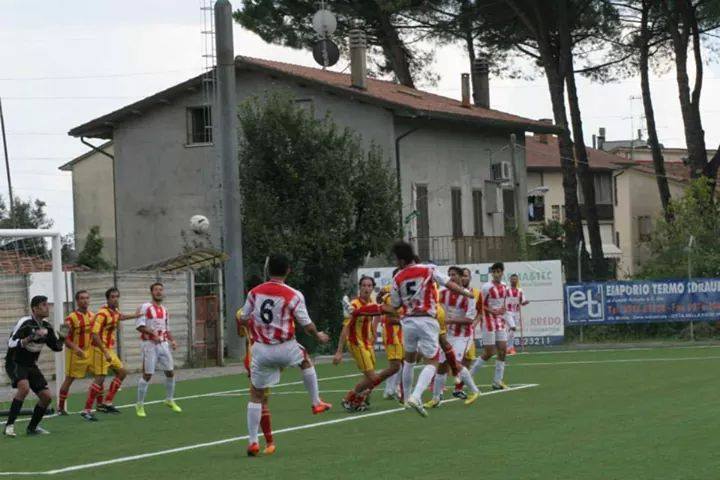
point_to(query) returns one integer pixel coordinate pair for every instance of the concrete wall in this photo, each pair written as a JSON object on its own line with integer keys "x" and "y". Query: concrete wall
{"x": 638, "y": 196}
{"x": 94, "y": 200}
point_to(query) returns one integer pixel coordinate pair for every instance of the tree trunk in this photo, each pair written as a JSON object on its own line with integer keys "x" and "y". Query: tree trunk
{"x": 692, "y": 122}
{"x": 394, "y": 50}
{"x": 467, "y": 33}
{"x": 581, "y": 156}
{"x": 657, "y": 156}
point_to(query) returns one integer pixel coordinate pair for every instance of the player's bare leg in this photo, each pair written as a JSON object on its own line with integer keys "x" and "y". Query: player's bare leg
{"x": 311, "y": 385}
{"x": 107, "y": 404}
{"x": 96, "y": 388}
{"x": 63, "y": 395}
{"x": 170, "y": 391}
{"x": 498, "y": 383}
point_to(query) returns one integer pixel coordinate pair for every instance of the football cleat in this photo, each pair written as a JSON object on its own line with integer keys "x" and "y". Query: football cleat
{"x": 106, "y": 408}
{"x": 460, "y": 394}
{"x": 37, "y": 431}
{"x": 417, "y": 406}
{"x": 321, "y": 407}
{"x": 434, "y": 403}
{"x": 499, "y": 385}
{"x": 348, "y": 406}
{"x": 269, "y": 449}
{"x": 253, "y": 450}
{"x": 472, "y": 397}
{"x": 140, "y": 410}
{"x": 173, "y": 406}
{"x": 86, "y": 415}
{"x": 511, "y": 351}
{"x": 9, "y": 431}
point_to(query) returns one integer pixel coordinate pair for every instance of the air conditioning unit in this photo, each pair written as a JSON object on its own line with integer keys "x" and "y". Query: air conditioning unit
{"x": 501, "y": 172}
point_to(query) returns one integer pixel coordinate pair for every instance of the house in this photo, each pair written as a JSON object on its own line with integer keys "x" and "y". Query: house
{"x": 164, "y": 163}
{"x": 546, "y": 195}
{"x": 639, "y": 150}
{"x": 94, "y": 197}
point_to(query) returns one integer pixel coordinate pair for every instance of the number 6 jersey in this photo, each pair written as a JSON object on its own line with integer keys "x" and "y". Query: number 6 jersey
{"x": 272, "y": 309}
{"x": 415, "y": 289}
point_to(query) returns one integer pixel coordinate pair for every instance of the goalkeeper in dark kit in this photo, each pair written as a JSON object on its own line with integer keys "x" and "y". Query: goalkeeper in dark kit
{"x": 26, "y": 341}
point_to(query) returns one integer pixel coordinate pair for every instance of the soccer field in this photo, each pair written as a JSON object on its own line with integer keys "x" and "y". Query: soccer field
{"x": 625, "y": 414}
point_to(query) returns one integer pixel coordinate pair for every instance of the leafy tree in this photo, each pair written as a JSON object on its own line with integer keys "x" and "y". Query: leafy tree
{"x": 91, "y": 254}
{"x": 696, "y": 214}
{"x": 392, "y": 35}
{"x": 310, "y": 191}
{"x": 28, "y": 214}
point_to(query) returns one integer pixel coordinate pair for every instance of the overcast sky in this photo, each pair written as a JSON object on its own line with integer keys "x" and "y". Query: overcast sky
{"x": 63, "y": 63}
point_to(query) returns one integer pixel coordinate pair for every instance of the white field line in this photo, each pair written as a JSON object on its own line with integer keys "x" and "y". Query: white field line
{"x": 131, "y": 458}
{"x": 619, "y": 360}
{"x": 619, "y": 349}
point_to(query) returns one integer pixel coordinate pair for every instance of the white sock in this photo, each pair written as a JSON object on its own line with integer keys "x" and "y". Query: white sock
{"x": 468, "y": 379}
{"x": 254, "y": 411}
{"x": 407, "y": 378}
{"x": 142, "y": 390}
{"x": 391, "y": 383}
{"x": 476, "y": 365}
{"x": 311, "y": 384}
{"x": 511, "y": 339}
{"x": 169, "y": 388}
{"x": 423, "y": 381}
{"x": 439, "y": 386}
{"x": 499, "y": 371}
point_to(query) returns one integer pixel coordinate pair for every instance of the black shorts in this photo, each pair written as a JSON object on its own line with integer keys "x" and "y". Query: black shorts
{"x": 21, "y": 372}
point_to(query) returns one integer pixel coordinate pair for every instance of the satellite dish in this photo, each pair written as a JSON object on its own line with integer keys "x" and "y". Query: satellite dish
{"x": 324, "y": 22}
{"x": 326, "y": 53}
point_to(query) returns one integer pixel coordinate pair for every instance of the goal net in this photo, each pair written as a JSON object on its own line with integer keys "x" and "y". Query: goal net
{"x": 30, "y": 264}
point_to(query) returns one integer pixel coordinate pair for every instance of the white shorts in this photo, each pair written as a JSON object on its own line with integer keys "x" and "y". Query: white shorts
{"x": 156, "y": 356}
{"x": 511, "y": 319}
{"x": 491, "y": 338}
{"x": 460, "y": 345}
{"x": 267, "y": 361}
{"x": 421, "y": 334}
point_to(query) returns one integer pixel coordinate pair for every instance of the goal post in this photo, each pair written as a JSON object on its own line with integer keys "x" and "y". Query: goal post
{"x": 10, "y": 236}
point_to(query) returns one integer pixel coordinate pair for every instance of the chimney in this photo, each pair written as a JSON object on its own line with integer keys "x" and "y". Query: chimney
{"x": 542, "y": 137}
{"x": 358, "y": 59}
{"x": 465, "y": 87}
{"x": 594, "y": 141}
{"x": 481, "y": 82}
{"x": 601, "y": 139}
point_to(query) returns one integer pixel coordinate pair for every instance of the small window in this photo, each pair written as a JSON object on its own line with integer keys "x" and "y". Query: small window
{"x": 477, "y": 213}
{"x": 536, "y": 209}
{"x": 456, "y": 211}
{"x": 644, "y": 228}
{"x": 199, "y": 125}
{"x": 509, "y": 207}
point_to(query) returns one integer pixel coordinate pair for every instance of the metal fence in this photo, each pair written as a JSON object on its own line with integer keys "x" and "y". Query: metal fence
{"x": 446, "y": 250}
{"x": 134, "y": 290}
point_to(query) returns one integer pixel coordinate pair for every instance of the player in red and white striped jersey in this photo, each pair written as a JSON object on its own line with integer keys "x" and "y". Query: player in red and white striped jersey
{"x": 515, "y": 300}
{"x": 270, "y": 313}
{"x": 460, "y": 315}
{"x": 494, "y": 328}
{"x": 156, "y": 343}
{"x": 414, "y": 288}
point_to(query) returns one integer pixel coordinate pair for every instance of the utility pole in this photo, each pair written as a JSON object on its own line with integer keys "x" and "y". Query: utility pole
{"x": 519, "y": 183}
{"x": 226, "y": 147}
{"x": 7, "y": 161}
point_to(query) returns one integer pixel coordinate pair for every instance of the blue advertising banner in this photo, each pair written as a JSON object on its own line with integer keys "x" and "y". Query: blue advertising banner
{"x": 645, "y": 301}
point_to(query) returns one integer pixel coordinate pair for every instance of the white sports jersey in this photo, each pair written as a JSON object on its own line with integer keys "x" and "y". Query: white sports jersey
{"x": 495, "y": 295}
{"x": 415, "y": 288}
{"x": 514, "y": 299}
{"x": 272, "y": 310}
{"x": 156, "y": 318}
{"x": 458, "y": 307}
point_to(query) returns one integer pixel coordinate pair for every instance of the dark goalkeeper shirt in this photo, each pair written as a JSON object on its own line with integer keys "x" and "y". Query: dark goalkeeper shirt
{"x": 27, "y": 355}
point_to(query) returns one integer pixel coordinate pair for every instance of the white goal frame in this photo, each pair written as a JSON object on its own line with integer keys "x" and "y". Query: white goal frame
{"x": 58, "y": 288}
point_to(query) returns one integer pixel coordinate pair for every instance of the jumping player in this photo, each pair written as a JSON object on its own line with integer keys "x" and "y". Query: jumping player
{"x": 270, "y": 312}
{"x": 414, "y": 288}
{"x": 494, "y": 332}
{"x": 78, "y": 346}
{"x": 476, "y": 343}
{"x": 515, "y": 301}
{"x": 154, "y": 327}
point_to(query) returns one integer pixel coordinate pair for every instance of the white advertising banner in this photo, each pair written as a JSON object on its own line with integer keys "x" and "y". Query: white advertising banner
{"x": 541, "y": 281}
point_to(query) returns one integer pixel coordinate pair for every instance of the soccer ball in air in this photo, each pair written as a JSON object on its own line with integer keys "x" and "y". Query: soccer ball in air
{"x": 199, "y": 224}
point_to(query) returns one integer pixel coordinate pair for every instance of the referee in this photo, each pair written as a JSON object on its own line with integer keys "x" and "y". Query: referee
{"x": 24, "y": 346}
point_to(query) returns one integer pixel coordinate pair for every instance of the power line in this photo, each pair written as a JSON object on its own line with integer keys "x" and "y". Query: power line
{"x": 90, "y": 77}
{"x": 68, "y": 98}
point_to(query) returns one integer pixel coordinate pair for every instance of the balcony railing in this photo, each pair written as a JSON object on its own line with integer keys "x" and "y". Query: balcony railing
{"x": 445, "y": 250}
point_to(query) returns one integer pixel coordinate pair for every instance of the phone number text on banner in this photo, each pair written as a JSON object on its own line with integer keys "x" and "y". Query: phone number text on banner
{"x": 648, "y": 301}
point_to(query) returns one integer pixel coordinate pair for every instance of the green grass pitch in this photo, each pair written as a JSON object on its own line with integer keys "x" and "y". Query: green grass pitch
{"x": 623, "y": 414}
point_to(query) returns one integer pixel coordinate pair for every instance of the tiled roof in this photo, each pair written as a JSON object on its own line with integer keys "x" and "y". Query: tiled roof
{"x": 674, "y": 170}
{"x": 12, "y": 262}
{"x": 545, "y": 154}
{"x": 403, "y": 100}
